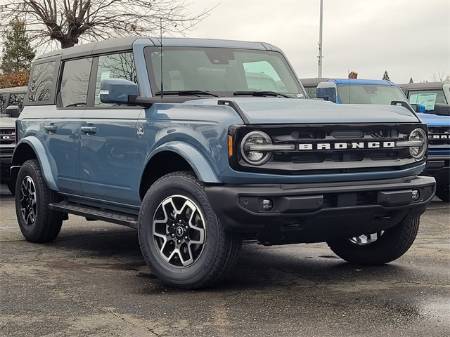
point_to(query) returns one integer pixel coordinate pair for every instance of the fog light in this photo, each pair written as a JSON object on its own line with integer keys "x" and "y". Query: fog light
{"x": 415, "y": 195}
{"x": 267, "y": 204}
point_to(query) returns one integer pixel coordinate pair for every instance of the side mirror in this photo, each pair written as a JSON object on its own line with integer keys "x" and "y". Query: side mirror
{"x": 441, "y": 109}
{"x": 117, "y": 91}
{"x": 13, "y": 111}
{"x": 326, "y": 91}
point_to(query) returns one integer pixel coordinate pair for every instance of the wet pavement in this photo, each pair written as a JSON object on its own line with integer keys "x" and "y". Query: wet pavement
{"x": 92, "y": 281}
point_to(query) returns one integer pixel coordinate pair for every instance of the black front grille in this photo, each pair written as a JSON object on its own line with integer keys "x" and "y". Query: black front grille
{"x": 439, "y": 135}
{"x": 7, "y": 135}
{"x": 348, "y": 150}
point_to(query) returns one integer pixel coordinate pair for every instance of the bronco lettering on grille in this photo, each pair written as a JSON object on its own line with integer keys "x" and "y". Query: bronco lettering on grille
{"x": 345, "y": 146}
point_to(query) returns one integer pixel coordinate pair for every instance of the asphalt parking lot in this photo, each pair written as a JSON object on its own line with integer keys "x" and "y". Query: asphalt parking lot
{"x": 92, "y": 281}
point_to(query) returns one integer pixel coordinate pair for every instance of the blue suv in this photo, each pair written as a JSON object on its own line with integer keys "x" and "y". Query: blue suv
{"x": 199, "y": 144}
{"x": 435, "y": 112}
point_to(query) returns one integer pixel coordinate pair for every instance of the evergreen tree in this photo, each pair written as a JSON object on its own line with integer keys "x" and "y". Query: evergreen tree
{"x": 17, "y": 50}
{"x": 386, "y": 76}
{"x": 411, "y": 80}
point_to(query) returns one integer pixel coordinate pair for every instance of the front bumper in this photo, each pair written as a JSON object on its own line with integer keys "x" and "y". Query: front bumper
{"x": 319, "y": 212}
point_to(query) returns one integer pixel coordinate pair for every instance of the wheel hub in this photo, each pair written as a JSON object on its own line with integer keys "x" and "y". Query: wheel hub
{"x": 28, "y": 200}
{"x": 179, "y": 230}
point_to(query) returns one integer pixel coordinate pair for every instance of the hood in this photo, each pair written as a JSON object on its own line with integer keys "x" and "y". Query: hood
{"x": 434, "y": 120}
{"x": 271, "y": 110}
{"x": 7, "y": 122}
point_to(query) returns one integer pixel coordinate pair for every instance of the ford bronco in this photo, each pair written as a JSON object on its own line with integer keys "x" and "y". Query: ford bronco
{"x": 200, "y": 144}
{"x": 11, "y": 103}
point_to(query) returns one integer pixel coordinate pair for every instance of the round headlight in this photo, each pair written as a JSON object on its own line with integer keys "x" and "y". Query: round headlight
{"x": 418, "y": 152}
{"x": 252, "y": 156}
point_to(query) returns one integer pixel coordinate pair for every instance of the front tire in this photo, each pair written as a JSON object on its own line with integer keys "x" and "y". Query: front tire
{"x": 37, "y": 222}
{"x": 181, "y": 239}
{"x": 377, "y": 249}
{"x": 443, "y": 193}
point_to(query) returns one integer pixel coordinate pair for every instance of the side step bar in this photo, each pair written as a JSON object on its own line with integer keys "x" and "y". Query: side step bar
{"x": 93, "y": 213}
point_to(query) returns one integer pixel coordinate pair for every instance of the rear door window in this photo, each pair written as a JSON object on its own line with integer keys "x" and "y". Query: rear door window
{"x": 75, "y": 83}
{"x": 42, "y": 83}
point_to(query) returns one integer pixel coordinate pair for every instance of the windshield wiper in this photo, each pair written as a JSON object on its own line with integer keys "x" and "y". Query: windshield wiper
{"x": 260, "y": 93}
{"x": 186, "y": 93}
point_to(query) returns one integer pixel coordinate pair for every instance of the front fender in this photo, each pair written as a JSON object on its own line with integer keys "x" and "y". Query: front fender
{"x": 39, "y": 150}
{"x": 198, "y": 162}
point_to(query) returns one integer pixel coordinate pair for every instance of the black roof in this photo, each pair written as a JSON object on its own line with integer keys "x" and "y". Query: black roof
{"x": 422, "y": 86}
{"x": 312, "y": 82}
{"x": 126, "y": 43}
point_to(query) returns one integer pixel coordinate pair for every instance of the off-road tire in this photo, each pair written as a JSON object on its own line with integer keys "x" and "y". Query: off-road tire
{"x": 388, "y": 247}
{"x": 220, "y": 250}
{"x": 47, "y": 223}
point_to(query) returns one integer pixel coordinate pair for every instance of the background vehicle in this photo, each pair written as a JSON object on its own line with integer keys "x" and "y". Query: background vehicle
{"x": 350, "y": 91}
{"x": 11, "y": 103}
{"x": 223, "y": 153}
{"x": 431, "y": 98}
{"x": 310, "y": 85}
{"x": 435, "y": 97}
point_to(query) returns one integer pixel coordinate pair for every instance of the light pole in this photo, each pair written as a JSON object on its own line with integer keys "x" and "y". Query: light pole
{"x": 320, "y": 57}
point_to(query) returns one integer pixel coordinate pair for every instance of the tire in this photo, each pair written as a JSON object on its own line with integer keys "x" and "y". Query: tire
{"x": 443, "y": 193}
{"x": 37, "y": 222}
{"x": 194, "y": 265}
{"x": 389, "y": 245}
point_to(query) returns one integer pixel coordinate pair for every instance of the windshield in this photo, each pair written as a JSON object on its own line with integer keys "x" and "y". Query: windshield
{"x": 428, "y": 98}
{"x": 221, "y": 71}
{"x": 369, "y": 94}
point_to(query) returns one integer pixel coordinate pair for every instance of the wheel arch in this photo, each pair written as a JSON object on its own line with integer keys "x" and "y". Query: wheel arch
{"x": 31, "y": 148}
{"x": 175, "y": 156}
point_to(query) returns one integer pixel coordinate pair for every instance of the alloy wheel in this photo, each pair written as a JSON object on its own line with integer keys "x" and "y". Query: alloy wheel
{"x": 28, "y": 200}
{"x": 179, "y": 230}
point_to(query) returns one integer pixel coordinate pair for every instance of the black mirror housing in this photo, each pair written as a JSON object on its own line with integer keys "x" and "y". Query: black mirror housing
{"x": 13, "y": 111}
{"x": 117, "y": 91}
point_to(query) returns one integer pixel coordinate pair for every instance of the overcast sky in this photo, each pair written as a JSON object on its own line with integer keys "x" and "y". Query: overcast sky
{"x": 408, "y": 38}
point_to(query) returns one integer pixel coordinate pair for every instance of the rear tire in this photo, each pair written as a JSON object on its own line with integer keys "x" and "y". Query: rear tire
{"x": 443, "y": 193}
{"x": 180, "y": 236}
{"x": 37, "y": 222}
{"x": 389, "y": 246}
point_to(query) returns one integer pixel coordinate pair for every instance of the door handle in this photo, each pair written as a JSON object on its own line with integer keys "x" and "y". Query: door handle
{"x": 89, "y": 130}
{"x": 50, "y": 127}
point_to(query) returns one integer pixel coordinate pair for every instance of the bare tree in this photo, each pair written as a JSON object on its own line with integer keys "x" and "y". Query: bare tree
{"x": 72, "y": 21}
{"x": 439, "y": 76}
